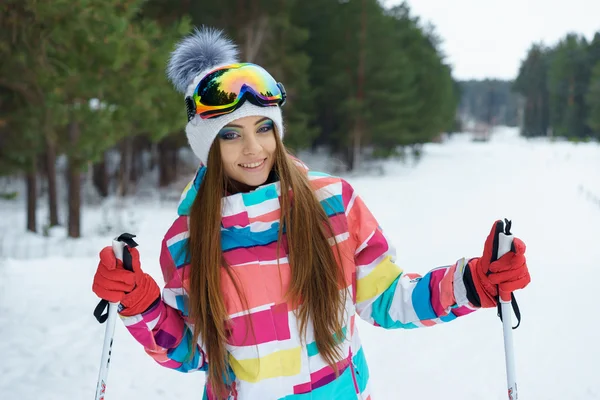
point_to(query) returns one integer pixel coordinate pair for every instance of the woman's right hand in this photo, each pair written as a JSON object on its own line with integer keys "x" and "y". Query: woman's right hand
{"x": 135, "y": 290}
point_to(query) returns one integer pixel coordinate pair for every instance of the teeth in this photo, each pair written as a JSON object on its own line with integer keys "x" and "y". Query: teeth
{"x": 253, "y": 165}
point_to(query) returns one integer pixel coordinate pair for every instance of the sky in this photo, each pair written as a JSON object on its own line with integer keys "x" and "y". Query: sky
{"x": 490, "y": 38}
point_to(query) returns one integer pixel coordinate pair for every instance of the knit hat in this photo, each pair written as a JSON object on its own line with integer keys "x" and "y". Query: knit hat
{"x": 193, "y": 58}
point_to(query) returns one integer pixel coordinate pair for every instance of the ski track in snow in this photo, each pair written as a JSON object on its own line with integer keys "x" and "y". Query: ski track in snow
{"x": 434, "y": 213}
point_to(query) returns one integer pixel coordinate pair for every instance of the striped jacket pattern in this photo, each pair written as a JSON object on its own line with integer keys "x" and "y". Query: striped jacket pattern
{"x": 273, "y": 361}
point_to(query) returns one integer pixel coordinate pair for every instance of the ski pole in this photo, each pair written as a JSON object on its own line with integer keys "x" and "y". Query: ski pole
{"x": 121, "y": 251}
{"x": 505, "y": 241}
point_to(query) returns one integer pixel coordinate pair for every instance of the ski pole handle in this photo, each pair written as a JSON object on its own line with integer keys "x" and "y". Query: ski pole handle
{"x": 121, "y": 253}
{"x": 504, "y": 246}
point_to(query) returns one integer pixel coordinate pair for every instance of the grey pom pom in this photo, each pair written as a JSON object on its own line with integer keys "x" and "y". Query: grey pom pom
{"x": 205, "y": 48}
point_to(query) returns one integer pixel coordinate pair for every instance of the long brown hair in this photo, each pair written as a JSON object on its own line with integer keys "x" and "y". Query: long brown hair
{"x": 317, "y": 278}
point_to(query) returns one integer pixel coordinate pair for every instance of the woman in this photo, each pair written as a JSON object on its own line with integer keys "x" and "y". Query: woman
{"x": 268, "y": 262}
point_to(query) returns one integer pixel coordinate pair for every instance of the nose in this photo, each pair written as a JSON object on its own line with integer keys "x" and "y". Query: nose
{"x": 251, "y": 145}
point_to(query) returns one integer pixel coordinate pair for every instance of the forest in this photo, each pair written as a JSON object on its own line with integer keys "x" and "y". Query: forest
{"x": 84, "y": 98}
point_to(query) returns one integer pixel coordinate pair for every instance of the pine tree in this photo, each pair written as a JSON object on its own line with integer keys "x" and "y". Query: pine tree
{"x": 568, "y": 79}
{"x": 593, "y": 101}
{"x": 25, "y": 104}
{"x": 532, "y": 84}
{"x": 91, "y": 74}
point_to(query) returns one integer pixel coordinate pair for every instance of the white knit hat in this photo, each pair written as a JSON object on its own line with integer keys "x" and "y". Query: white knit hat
{"x": 194, "y": 57}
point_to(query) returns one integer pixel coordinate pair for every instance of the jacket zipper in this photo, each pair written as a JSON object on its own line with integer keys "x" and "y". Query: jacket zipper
{"x": 354, "y": 373}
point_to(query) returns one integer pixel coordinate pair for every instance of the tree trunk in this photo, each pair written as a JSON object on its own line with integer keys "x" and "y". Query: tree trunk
{"x": 255, "y": 33}
{"x": 167, "y": 162}
{"x": 125, "y": 166}
{"x": 100, "y": 176}
{"x": 359, "y": 122}
{"x": 32, "y": 197}
{"x": 136, "y": 160}
{"x": 153, "y": 156}
{"x": 140, "y": 145}
{"x": 51, "y": 176}
{"x": 74, "y": 179}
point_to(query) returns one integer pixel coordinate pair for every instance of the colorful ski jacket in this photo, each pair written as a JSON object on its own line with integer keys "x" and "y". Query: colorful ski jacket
{"x": 274, "y": 363}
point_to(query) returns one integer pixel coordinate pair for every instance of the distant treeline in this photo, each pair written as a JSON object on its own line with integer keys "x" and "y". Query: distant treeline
{"x": 489, "y": 101}
{"x": 556, "y": 93}
{"x": 561, "y": 88}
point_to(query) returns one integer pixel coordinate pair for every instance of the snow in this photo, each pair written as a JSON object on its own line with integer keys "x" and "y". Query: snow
{"x": 435, "y": 211}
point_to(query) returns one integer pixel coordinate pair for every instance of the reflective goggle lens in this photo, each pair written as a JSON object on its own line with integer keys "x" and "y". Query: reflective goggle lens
{"x": 224, "y": 89}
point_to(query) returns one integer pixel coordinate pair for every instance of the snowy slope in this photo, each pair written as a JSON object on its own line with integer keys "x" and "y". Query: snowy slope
{"x": 435, "y": 212}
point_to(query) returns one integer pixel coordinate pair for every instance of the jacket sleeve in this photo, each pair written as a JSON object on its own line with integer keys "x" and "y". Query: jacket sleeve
{"x": 385, "y": 294}
{"x": 162, "y": 329}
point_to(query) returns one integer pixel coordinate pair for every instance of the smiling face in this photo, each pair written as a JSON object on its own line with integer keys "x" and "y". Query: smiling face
{"x": 248, "y": 149}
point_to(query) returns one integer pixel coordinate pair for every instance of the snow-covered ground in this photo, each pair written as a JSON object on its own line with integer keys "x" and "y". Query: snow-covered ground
{"x": 435, "y": 212}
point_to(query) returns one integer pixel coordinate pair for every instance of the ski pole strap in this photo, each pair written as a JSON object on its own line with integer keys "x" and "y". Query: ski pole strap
{"x": 515, "y": 307}
{"x": 101, "y": 310}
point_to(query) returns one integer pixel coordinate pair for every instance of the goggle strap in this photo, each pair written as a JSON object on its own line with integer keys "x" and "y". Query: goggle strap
{"x": 283, "y": 93}
{"x": 190, "y": 107}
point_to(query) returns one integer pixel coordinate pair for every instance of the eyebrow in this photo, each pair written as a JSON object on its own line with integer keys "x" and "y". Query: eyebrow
{"x": 239, "y": 126}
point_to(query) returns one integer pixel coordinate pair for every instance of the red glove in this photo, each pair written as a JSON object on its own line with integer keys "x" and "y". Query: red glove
{"x": 136, "y": 291}
{"x": 488, "y": 277}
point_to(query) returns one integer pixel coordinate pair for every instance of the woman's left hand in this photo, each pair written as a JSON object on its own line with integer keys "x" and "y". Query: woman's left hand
{"x": 507, "y": 274}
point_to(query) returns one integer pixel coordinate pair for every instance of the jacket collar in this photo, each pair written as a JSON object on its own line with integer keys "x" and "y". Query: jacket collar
{"x": 235, "y": 203}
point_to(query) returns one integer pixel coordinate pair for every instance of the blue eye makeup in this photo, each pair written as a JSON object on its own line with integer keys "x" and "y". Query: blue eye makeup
{"x": 228, "y": 134}
{"x": 267, "y": 126}
{"x": 233, "y": 132}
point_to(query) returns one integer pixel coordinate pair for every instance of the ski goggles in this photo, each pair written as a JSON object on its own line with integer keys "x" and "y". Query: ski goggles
{"x": 225, "y": 89}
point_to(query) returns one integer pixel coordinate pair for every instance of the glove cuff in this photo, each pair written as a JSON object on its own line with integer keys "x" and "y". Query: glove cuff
{"x": 472, "y": 295}
{"x": 479, "y": 292}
